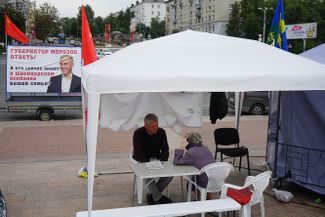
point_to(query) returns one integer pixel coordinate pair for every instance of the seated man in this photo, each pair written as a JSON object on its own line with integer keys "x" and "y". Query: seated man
{"x": 150, "y": 141}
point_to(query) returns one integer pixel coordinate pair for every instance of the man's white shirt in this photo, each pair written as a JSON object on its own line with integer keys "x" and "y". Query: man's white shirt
{"x": 65, "y": 84}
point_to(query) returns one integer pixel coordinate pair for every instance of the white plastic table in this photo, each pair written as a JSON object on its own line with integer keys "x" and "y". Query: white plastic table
{"x": 168, "y": 170}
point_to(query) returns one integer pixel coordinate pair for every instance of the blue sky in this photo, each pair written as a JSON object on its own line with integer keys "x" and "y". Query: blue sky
{"x": 69, "y": 8}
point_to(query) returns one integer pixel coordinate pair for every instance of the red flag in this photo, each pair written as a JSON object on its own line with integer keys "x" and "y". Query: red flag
{"x": 12, "y": 30}
{"x": 88, "y": 53}
{"x": 88, "y": 48}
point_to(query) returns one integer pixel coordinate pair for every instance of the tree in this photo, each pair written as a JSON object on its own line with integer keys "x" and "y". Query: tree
{"x": 111, "y": 19}
{"x": 141, "y": 28}
{"x": 252, "y": 18}
{"x": 70, "y": 26}
{"x": 157, "y": 29}
{"x": 15, "y": 16}
{"x": 306, "y": 11}
{"x": 124, "y": 21}
{"x": 120, "y": 22}
{"x": 90, "y": 16}
{"x": 250, "y": 21}
{"x": 234, "y": 24}
{"x": 246, "y": 20}
{"x": 99, "y": 26}
{"x": 46, "y": 21}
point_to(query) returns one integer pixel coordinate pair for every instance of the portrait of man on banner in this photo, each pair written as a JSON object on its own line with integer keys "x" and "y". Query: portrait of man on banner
{"x": 67, "y": 81}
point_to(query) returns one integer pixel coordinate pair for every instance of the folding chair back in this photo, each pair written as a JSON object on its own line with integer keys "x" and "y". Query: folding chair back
{"x": 227, "y": 137}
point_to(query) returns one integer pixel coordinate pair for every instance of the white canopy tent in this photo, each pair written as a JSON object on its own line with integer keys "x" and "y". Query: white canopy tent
{"x": 192, "y": 62}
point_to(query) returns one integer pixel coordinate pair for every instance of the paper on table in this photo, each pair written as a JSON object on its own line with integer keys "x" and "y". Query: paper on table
{"x": 154, "y": 165}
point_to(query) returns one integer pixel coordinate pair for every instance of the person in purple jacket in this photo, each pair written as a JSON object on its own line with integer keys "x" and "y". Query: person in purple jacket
{"x": 195, "y": 154}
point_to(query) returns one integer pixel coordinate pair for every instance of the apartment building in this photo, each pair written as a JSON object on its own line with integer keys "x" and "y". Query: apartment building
{"x": 147, "y": 9}
{"x": 200, "y": 15}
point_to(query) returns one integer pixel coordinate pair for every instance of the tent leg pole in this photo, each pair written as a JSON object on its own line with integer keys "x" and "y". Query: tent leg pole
{"x": 277, "y": 137}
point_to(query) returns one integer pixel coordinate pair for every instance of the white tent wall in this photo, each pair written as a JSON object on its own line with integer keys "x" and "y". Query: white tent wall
{"x": 127, "y": 111}
{"x": 296, "y": 134}
{"x": 193, "y": 62}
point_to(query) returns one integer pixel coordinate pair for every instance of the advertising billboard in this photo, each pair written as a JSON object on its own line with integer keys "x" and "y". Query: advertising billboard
{"x": 38, "y": 69}
{"x": 301, "y": 31}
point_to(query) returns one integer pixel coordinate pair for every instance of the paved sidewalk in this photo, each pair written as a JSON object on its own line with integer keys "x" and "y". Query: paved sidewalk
{"x": 52, "y": 189}
{"x": 57, "y": 140}
{"x": 39, "y": 162}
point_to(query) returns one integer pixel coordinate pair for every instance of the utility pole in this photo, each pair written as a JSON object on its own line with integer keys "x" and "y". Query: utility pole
{"x": 264, "y": 20}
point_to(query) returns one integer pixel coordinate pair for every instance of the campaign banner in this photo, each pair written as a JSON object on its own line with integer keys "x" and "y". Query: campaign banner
{"x": 43, "y": 69}
{"x": 300, "y": 31}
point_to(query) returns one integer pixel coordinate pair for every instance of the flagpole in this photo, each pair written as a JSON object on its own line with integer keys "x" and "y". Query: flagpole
{"x": 6, "y": 31}
{"x": 84, "y": 117}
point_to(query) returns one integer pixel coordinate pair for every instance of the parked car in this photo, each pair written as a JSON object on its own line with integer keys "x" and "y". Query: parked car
{"x": 254, "y": 103}
{"x": 50, "y": 40}
{"x": 102, "y": 52}
{"x": 77, "y": 43}
{"x": 72, "y": 42}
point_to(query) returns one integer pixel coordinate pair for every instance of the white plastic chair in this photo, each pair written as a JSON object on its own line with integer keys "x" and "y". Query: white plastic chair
{"x": 216, "y": 173}
{"x": 257, "y": 185}
{"x": 133, "y": 161}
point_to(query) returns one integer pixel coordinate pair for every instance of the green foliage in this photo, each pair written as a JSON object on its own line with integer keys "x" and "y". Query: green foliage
{"x": 252, "y": 18}
{"x": 124, "y": 21}
{"x": 234, "y": 24}
{"x": 120, "y": 22}
{"x": 157, "y": 29}
{"x": 306, "y": 11}
{"x": 99, "y": 26}
{"x": 90, "y": 17}
{"x": 111, "y": 19}
{"x": 15, "y": 16}
{"x": 70, "y": 26}
{"x": 141, "y": 28}
{"x": 252, "y": 26}
{"x": 46, "y": 21}
{"x": 246, "y": 20}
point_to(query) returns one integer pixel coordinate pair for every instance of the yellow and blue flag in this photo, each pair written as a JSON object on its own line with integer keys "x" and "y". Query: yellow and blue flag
{"x": 277, "y": 36}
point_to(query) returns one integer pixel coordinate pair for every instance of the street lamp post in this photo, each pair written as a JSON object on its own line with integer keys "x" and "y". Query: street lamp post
{"x": 264, "y": 20}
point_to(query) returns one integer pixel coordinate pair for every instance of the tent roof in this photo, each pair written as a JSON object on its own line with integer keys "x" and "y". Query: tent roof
{"x": 317, "y": 54}
{"x": 201, "y": 62}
